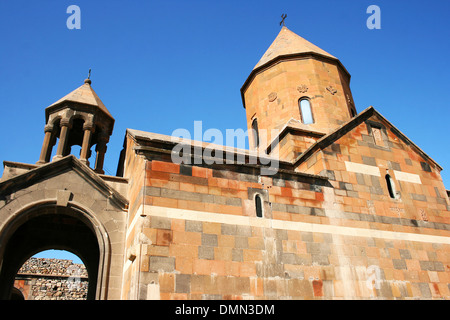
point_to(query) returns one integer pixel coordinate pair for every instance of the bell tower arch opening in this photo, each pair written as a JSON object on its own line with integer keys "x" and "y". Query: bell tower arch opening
{"x": 47, "y": 226}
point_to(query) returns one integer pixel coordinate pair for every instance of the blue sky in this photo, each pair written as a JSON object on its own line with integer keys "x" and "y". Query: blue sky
{"x": 161, "y": 65}
{"x": 59, "y": 254}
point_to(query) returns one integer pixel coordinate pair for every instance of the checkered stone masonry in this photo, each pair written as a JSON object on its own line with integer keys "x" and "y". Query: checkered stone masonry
{"x": 320, "y": 238}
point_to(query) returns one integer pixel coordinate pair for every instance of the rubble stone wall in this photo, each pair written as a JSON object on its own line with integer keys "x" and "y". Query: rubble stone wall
{"x": 52, "y": 279}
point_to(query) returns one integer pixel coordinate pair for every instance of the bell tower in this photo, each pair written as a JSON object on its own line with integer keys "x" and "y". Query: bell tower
{"x": 297, "y": 90}
{"x": 80, "y": 118}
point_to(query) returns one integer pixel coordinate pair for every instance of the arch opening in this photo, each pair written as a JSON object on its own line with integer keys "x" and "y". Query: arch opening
{"x": 52, "y": 275}
{"x": 49, "y": 227}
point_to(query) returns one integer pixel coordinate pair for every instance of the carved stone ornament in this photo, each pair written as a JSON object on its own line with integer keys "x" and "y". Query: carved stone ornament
{"x": 302, "y": 88}
{"x": 332, "y": 90}
{"x": 272, "y": 96}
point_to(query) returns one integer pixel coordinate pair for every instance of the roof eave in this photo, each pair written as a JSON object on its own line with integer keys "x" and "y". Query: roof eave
{"x": 67, "y": 103}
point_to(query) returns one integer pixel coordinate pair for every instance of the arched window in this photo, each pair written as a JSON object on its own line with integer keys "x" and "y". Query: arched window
{"x": 258, "y": 206}
{"x": 390, "y": 186}
{"x": 305, "y": 111}
{"x": 255, "y": 133}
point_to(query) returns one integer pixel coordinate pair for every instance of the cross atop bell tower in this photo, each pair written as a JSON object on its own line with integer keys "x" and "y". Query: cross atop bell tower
{"x": 79, "y": 118}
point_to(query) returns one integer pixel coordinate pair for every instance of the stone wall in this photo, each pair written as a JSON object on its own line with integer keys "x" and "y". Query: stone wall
{"x": 52, "y": 279}
{"x": 194, "y": 232}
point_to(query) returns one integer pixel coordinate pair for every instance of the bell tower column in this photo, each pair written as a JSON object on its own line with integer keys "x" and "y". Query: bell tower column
{"x": 101, "y": 150}
{"x": 88, "y": 129}
{"x": 63, "y": 137}
{"x": 46, "y": 145}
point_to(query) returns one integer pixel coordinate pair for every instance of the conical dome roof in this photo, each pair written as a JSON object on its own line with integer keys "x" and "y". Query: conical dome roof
{"x": 287, "y": 43}
{"x": 85, "y": 95}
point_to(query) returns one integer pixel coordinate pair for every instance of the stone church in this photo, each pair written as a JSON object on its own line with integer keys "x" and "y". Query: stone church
{"x": 354, "y": 209}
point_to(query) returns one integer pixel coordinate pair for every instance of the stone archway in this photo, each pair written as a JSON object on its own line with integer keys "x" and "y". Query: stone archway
{"x": 16, "y": 294}
{"x": 48, "y": 226}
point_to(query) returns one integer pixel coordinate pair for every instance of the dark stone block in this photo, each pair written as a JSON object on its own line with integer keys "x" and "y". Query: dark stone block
{"x": 328, "y": 173}
{"x": 193, "y": 226}
{"x": 206, "y": 253}
{"x": 336, "y": 148}
{"x": 307, "y": 236}
{"x": 166, "y": 264}
{"x": 237, "y": 255}
{"x": 360, "y": 178}
{"x": 369, "y": 161}
{"x": 318, "y": 212}
{"x": 394, "y": 166}
{"x": 399, "y": 264}
{"x": 183, "y": 283}
{"x": 438, "y": 266}
{"x": 228, "y": 229}
{"x": 405, "y": 254}
{"x": 418, "y": 197}
{"x": 426, "y": 265}
{"x": 425, "y": 166}
{"x": 425, "y": 290}
{"x": 320, "y": 259}
{"x": 209, "y": 240}
{"x": 185, "y": 170}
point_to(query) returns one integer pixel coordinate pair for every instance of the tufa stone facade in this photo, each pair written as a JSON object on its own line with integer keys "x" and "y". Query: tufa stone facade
{"x": 354, "y": 209}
